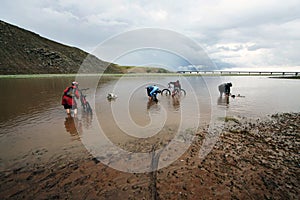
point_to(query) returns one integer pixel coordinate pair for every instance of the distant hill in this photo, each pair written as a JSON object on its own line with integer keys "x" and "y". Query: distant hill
{"x": 25, "y": 52}
{"x": 133, "y": 70}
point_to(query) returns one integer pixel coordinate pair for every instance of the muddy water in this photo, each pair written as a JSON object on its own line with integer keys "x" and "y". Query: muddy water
{"x": 34, "y": 128}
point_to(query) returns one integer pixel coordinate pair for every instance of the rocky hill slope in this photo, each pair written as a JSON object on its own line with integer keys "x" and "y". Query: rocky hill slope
{"x": 24, "y": 52}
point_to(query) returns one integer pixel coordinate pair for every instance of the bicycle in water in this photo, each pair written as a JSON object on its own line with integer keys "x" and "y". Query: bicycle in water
{"x": 84, "y": 103}
{"x": 175, "y": 91}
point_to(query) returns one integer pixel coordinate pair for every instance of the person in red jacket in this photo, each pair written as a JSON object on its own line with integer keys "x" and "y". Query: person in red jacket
{"x": 68, "y": 99}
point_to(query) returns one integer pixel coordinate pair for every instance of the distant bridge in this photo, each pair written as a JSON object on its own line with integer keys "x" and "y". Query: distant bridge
{"x": 240, "y": 72}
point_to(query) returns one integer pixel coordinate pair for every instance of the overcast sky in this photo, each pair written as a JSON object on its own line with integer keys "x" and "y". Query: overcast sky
{"x": 233, "y": 33}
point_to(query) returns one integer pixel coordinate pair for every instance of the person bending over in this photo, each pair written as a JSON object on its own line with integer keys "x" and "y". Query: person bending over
{"x": 152, "y": 92}
{"x": 225, "y": 88}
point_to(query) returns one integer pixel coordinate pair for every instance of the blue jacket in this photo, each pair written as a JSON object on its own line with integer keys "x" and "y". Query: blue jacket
{"x": 153, "y": 89}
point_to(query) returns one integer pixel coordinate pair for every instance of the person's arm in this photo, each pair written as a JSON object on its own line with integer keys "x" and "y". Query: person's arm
{"x": 66, "y": 90}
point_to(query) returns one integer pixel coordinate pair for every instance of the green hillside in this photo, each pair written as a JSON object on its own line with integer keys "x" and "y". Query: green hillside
{"x": 24, "y": 52}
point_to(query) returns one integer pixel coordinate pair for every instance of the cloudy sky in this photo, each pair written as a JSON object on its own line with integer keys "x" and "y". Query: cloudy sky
{"x": 233, "y": 33}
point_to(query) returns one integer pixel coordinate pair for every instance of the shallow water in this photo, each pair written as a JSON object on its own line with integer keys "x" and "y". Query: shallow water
{"x": 35, "y": 128}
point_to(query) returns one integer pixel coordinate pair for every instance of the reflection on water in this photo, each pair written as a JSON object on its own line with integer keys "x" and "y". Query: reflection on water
{"x": 73, "y": 126}
{"x": 176, "y": 103}
{"x": 25, "y": 96}
{"x": 223, "y": 101}
{"x": 32, "y": 116}
{"x": 152, "y": 105}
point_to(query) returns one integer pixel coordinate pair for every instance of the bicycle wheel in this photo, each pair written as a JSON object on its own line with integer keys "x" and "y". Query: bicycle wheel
{"x": 182, "y": 92}
{"x": 166, "y": 92}
{"x": 83, "y": 107}
{"x": 88, "y": 108}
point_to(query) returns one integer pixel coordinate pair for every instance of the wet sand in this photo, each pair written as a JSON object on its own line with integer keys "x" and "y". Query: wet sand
{"x": 252, "y": 159}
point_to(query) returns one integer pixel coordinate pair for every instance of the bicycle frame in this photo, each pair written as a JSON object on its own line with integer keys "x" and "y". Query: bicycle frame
{"x": 84, "y": 103}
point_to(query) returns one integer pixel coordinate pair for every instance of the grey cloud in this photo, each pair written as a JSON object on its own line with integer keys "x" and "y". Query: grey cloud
{"x": 223, "y": 65}
{"x": 164, "y": 40}
{"x": 270, "y": 26}
{"x": 234, "y": 48}
{"x": 256, "y": 47}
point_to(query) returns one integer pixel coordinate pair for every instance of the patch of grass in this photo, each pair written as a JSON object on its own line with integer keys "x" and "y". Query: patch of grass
{"x": 228, "y": 118}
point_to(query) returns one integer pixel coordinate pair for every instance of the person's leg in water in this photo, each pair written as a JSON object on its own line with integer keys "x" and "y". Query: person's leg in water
{"x": 75, "y": 112}
{"x": 67, "y": 108}
{"x": 154, "y": 97}
{"x": 227, "y": 99}
{"x": 173, "y": 92}
{"x": 74, "y": 108}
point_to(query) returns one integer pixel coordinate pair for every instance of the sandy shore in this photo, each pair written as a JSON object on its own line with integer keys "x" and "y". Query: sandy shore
{"x": 252, "y": 159}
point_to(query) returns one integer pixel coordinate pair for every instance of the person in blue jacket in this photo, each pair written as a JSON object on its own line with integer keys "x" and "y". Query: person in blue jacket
{"x": 152, "y": 91}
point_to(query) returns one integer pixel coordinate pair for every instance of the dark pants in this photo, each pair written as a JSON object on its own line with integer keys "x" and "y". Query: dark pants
{"x": 148, "y": 91}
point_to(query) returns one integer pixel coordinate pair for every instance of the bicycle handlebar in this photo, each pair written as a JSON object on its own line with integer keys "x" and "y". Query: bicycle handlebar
{"x": 84, "y": 89}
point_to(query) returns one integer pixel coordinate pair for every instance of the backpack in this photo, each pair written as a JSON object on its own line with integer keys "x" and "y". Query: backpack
{"x": 70, "y": 92}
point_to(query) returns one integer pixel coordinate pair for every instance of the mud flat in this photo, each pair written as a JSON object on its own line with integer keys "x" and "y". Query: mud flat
{"x": 252, "y": 159}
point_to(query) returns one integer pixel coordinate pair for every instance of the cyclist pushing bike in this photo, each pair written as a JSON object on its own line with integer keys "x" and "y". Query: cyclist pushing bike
{"x": 69, "y": 102}
{"x": 177, "y": 90}
{"x": 176, "y": 87}
{"x": 68, "y": 98}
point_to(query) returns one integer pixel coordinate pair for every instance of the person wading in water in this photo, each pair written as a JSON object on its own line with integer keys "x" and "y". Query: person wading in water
{"x": 68, "y": 99}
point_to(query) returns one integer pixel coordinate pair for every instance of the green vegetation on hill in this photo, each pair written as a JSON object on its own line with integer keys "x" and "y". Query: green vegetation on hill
{"x": 144, "y": 70}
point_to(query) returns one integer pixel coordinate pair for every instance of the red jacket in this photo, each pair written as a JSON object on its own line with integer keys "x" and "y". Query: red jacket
{"x": 69, "y": 94}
